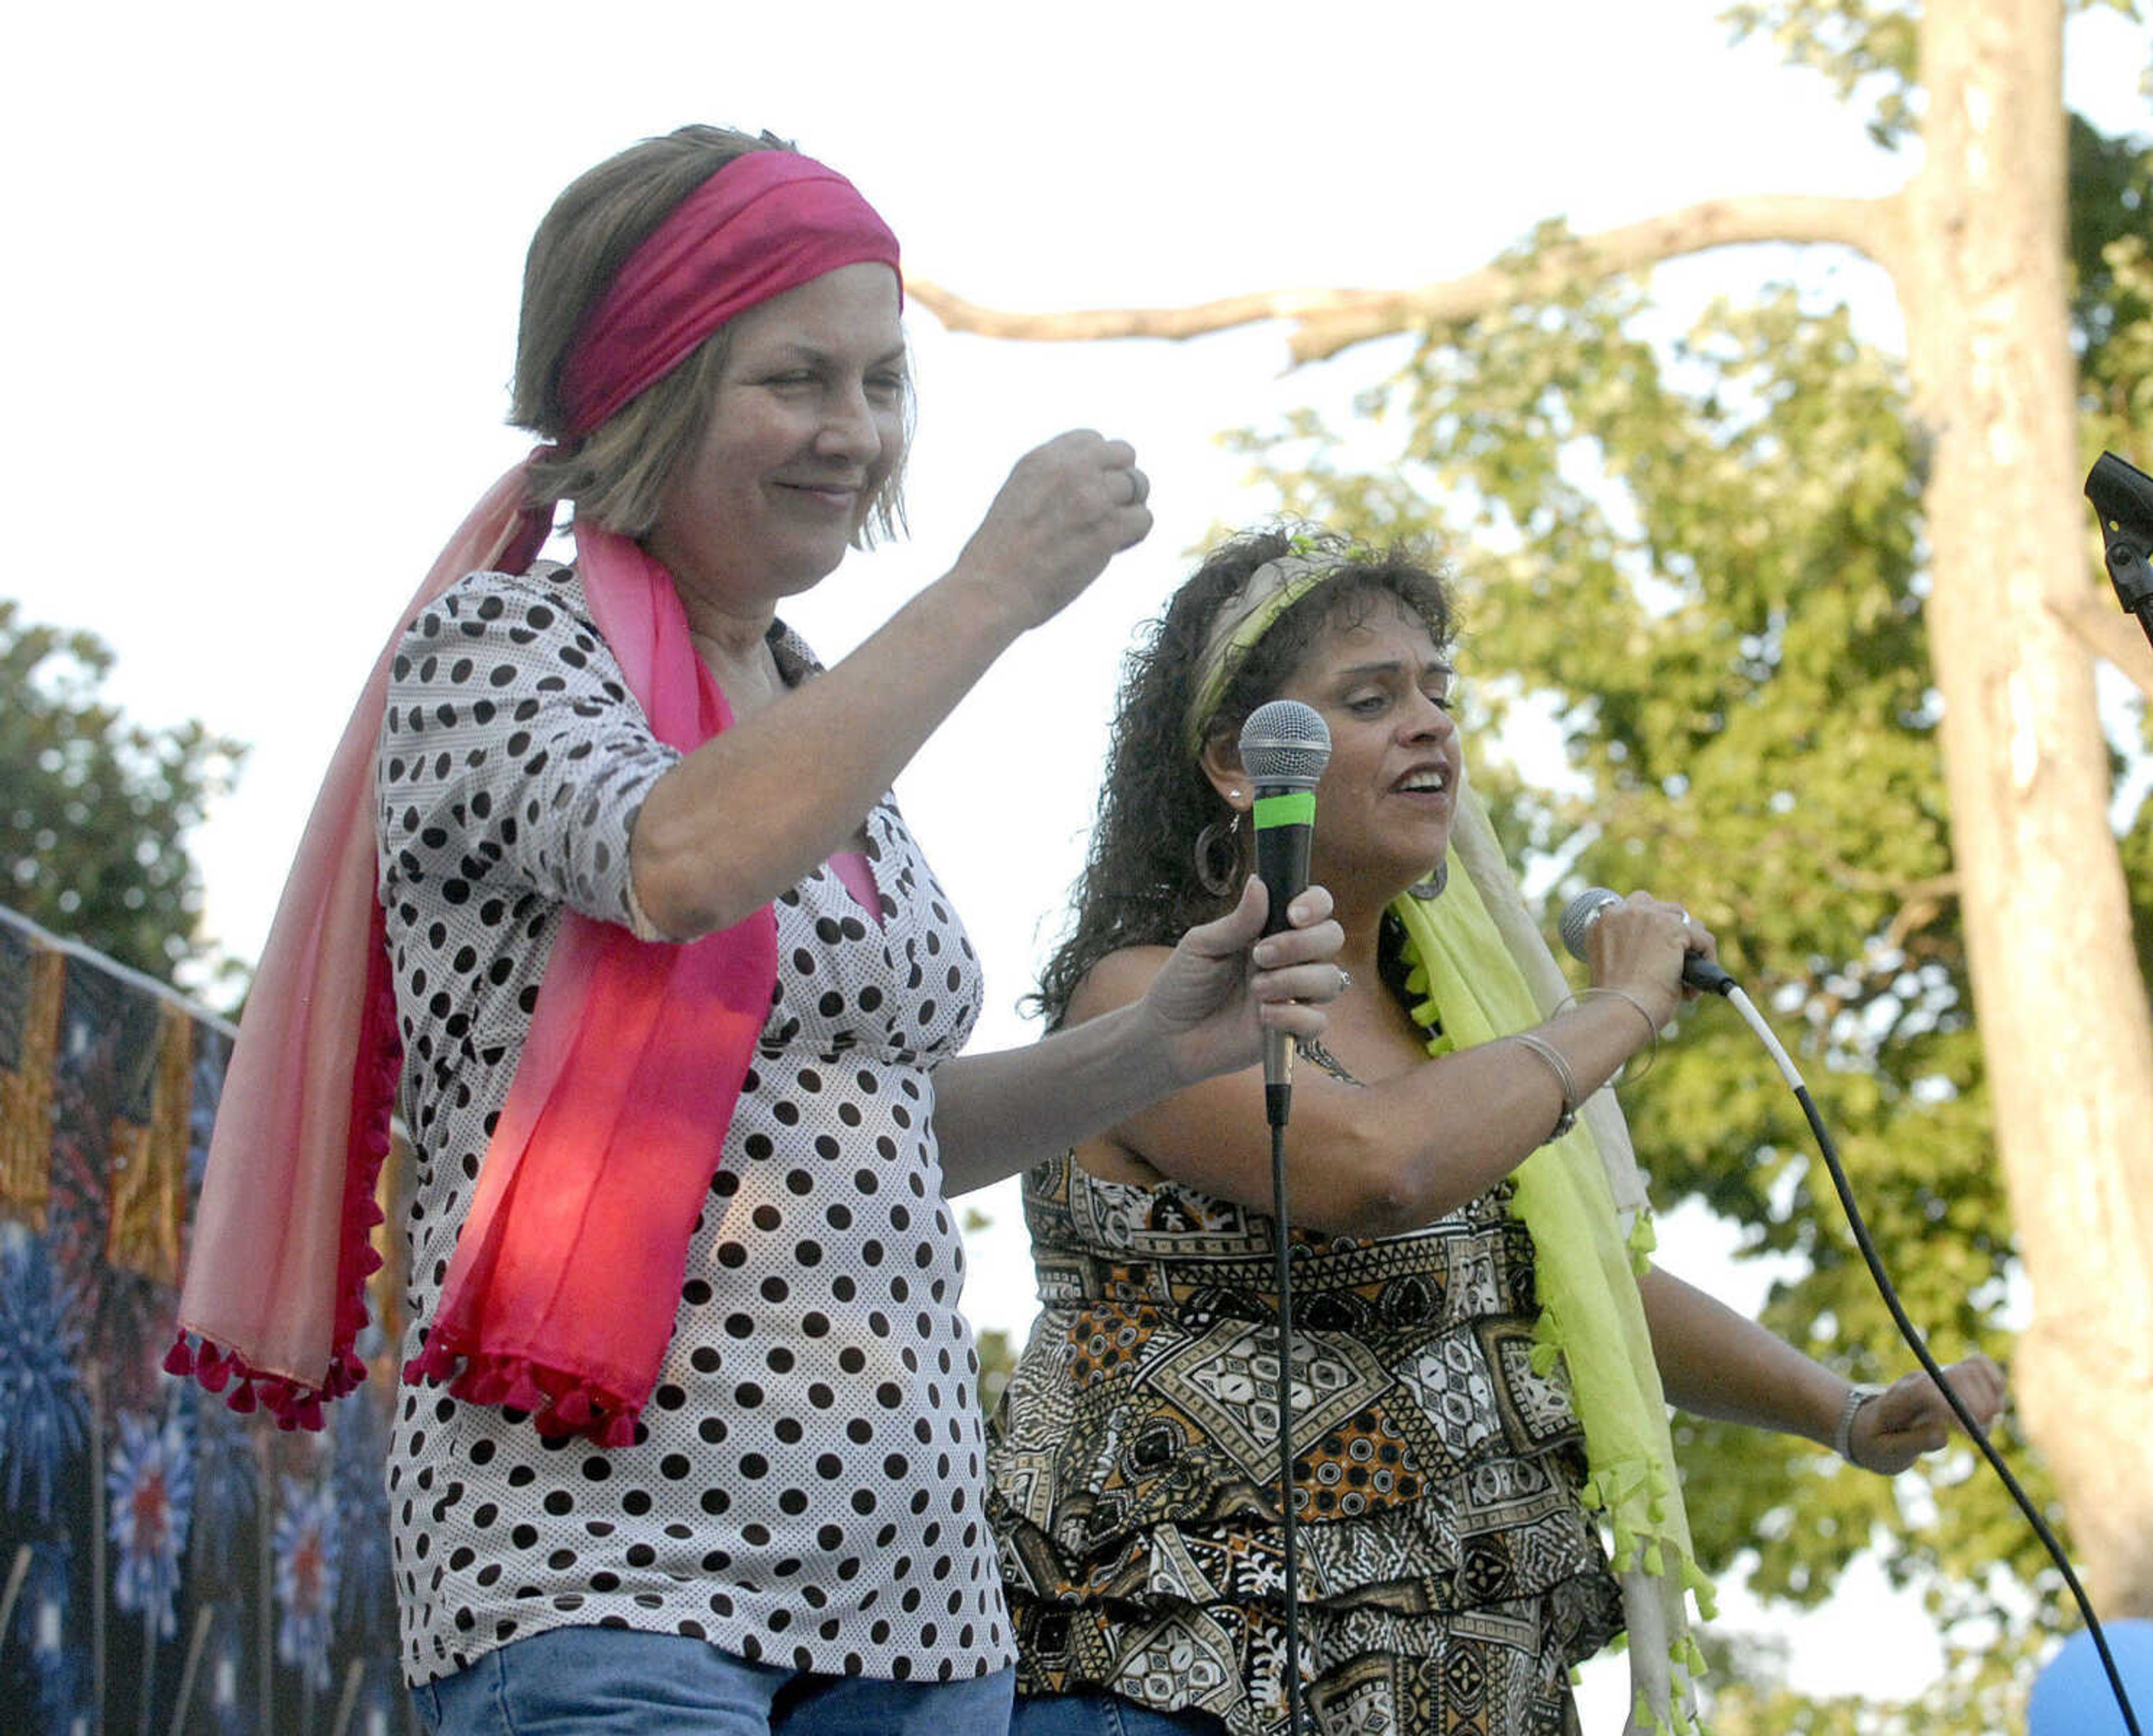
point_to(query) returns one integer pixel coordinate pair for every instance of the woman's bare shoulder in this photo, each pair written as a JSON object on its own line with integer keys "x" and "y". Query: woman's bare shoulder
{"x": 1116, "y": 980}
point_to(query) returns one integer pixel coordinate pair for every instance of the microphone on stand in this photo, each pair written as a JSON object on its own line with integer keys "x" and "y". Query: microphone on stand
{"x": 1284, "y": 745}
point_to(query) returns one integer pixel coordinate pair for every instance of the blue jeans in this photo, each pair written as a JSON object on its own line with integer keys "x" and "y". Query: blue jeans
{"x": 620, "y": 1681}
{"x": 1104, "y": 1714}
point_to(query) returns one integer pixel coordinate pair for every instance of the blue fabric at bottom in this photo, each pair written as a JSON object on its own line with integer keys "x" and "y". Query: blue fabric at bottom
{"x": 620, "y": 1681}
{"x": 1100, "y": 1714}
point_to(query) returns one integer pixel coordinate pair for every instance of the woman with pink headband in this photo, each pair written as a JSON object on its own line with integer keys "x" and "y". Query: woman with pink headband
{"x": 606, "y": 894}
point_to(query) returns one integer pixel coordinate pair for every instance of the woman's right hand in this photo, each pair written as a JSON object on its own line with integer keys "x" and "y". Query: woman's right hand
{"x": 1068, "y": 508}
{"x": 1639, "y": 946}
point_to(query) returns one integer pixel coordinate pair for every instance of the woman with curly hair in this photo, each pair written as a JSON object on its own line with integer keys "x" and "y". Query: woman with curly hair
{"x": 1479, "y": 1358}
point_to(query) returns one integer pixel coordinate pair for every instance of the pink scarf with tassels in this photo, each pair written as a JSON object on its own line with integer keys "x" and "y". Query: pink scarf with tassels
{"x": 560, "y": 1296}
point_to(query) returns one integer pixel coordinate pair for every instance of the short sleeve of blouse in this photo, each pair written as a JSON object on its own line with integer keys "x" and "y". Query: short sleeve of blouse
{"x": 512, "y": 750}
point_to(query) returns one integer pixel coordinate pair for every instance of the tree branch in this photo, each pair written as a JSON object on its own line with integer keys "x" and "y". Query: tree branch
{"x": 1920, "y": 904}
{"x": 1087, "y": 326}
{"x": 2108, "y": 632}
{"x": 1331, "y": 320}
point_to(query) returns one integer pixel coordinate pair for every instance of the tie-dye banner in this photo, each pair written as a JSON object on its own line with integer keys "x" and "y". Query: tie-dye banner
{"x": 165, "y": 1565}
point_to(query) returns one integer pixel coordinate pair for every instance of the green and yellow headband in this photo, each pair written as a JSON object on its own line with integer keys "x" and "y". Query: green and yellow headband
{"x": 1272, "y": 589}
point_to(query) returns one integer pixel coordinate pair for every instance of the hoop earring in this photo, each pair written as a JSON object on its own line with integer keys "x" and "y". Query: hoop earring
{"x": 1226, "y": 834}
{"x": 1433, "y": 887}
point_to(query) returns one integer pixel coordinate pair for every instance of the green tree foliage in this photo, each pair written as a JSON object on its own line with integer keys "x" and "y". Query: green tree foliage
{"x": 1868, "y": 49}
{"x": 94, "y": 810}
{"x": 1703, "y": 557}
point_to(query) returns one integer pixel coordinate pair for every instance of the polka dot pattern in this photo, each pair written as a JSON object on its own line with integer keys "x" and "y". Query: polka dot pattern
{"x": 806, "y": 1485}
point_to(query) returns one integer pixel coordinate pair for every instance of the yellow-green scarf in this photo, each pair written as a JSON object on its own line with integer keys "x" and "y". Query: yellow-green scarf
{"x": 1591, "y": 1317}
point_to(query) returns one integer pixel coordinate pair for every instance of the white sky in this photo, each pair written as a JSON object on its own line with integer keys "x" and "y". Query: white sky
{"x": 262, "y": 270}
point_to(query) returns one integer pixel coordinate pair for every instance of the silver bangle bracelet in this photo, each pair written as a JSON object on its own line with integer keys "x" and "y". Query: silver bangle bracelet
{"x": 1842, "y": 1432}
{"x": 1566, "y": 1080}
{"x": 1652, "y": 1031}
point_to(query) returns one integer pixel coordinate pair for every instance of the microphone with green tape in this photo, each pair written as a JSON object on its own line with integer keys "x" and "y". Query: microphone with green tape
{"x": 1284, "y": 745}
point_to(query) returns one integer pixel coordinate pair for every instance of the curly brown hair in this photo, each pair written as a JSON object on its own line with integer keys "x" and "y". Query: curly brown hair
{"x": 1139, "y": 885}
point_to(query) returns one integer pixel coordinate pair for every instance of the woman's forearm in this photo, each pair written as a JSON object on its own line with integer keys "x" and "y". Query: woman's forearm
{"x": 752, "y": 809}
{"x": 1384, "y": 1159}
{"x": 997, "y": 1114}
{"x": 1715, "y": 1363}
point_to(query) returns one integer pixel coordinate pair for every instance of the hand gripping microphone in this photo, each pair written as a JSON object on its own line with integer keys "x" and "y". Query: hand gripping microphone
{"x": 1284, "y": 747}
{"x": 1582, "y": 912}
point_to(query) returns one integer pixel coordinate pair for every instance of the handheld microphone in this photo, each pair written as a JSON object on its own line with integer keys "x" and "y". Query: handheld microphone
{"x": 1284, "y": 745}
{"x": 1582, "y": 912}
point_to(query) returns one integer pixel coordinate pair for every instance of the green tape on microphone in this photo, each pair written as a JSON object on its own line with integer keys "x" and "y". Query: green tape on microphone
{"x": 1294, "y": 807}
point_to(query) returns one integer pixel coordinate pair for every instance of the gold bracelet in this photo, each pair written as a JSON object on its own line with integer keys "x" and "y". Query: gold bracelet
{"x": 1566, "y": 1080}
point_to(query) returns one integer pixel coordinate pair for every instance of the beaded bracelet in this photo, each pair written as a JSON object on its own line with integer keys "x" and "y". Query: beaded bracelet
{"x": 1564, "y": 1077}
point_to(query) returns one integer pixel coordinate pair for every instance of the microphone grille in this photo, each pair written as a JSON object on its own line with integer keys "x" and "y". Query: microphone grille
{"x": 1578, "y": 914}
{"x": 1285, "y": 742}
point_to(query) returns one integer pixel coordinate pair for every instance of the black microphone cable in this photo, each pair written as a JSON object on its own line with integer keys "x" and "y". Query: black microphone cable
{"x": 1284, "y": 746}
{"x": 1577, "y": 919}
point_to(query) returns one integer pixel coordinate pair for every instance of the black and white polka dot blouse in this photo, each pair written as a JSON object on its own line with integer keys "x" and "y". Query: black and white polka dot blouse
{"x": 807, "y": 1488}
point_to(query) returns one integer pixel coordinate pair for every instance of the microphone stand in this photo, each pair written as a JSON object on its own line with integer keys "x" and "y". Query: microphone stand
{"x": 2122, "y": 496}
{"x": 1277, "y": 1106}
{"x": 1284, "y": 747}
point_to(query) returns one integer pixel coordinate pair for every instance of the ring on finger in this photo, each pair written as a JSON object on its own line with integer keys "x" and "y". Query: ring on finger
{"x": 1344, "y": 980}
{"x": 1137, "y": 487}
